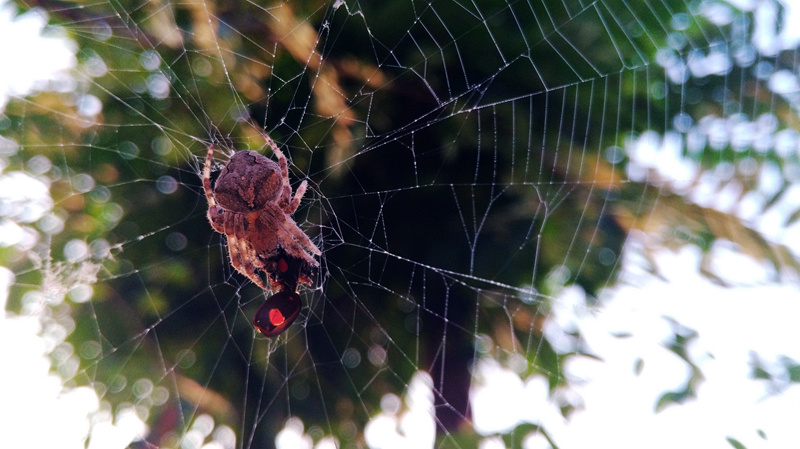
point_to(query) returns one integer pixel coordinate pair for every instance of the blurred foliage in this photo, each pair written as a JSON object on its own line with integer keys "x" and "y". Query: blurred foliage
{"x": 457, "y": 159}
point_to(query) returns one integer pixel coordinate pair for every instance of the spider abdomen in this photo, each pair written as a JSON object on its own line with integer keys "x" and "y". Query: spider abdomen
{"x": 248, "y": 182}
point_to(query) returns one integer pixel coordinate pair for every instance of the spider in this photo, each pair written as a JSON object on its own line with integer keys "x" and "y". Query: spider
{"x": 251, "y": 203}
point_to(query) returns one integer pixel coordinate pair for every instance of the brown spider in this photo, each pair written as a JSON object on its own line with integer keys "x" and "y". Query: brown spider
{"x": 251, "y": 203}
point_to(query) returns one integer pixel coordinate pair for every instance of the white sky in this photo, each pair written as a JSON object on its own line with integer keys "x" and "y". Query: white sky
{"x": 616, "y": 405}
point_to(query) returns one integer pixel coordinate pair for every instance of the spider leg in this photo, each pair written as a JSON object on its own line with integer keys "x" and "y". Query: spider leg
{"x": 241, "y": 252}
{"x": 301, "y": 238}
{"x": 286, "y": 188}
{"x": 243, "y": 262}
{"x": 287, "y": 203}
{"x": 305, "y": 241}
{"x": 207, "y": 177}
{"x": 214, "y": 217}
{"x": 285, "y": 232}
{"x": 298, "y": 195}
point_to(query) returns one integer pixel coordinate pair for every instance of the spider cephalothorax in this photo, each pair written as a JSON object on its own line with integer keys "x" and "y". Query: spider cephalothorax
{"x": 251, "y": 203}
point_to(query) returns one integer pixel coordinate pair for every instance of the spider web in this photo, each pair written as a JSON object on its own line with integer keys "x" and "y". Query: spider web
{"x": 513, "y": 200}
